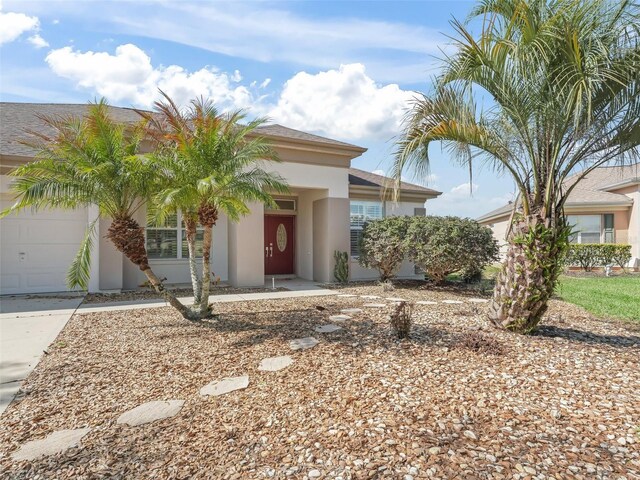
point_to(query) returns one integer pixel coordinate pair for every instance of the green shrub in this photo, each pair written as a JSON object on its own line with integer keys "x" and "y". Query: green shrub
{"x": 382, "y": 245}
{"x": 341, "y": 268}
{"x": 590, "y": 255}
{"x": 441, "y": 246}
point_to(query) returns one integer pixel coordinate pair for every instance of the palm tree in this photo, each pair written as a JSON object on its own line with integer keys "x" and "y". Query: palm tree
{"x": 93, "y": 160}
{"x": 211, "y": 165}
{"x": 564, "y": 96}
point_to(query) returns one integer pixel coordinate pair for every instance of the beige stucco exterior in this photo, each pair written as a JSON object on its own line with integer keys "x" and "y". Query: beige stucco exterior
{"x": 318, "y": 176}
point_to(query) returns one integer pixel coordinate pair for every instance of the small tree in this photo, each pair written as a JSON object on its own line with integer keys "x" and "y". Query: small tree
{"x": 382, "y": 245}
{"x": 93, "y": 160}
{"x": 211, "y": 164}
{"x": 441, "y": 246}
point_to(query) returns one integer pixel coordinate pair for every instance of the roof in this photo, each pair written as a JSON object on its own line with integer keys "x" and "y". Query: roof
{"x": 368, "y": 179}
{"x": 18, "y": 118}
{"x": 593, "y": 190}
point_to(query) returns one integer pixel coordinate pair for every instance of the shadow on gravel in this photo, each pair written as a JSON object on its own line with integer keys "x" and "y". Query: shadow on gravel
{"x": 587, "y": 337}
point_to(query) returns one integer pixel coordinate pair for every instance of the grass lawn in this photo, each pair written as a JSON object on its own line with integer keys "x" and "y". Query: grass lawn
{"x": 616, "y": 297}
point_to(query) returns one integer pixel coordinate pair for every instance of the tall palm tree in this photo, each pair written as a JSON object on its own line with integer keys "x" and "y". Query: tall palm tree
{"x": 211, "y": 164}
{"x": 93, "y": 160}
{"x": 563, "y": 83}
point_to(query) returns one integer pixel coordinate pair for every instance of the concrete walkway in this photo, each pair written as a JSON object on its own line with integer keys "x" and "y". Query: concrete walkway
{"x": 297, "y": 288}
{"x": 28, "y": 325}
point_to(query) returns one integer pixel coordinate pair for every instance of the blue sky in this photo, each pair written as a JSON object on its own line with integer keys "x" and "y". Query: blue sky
{"x": 340, "y": 69}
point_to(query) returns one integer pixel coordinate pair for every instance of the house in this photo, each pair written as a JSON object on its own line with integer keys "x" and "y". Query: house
{"x": 603, "y": 208}
{"x": 327, "y": 206}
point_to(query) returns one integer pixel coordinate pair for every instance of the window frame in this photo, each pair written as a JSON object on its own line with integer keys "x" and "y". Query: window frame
{"x": 180, "y": 230}
{"x": 358, "y": 228}
{"x": 601, "y": 231}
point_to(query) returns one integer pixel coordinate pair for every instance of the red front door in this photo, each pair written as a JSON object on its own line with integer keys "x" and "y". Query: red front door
{"x": 279, "y": 244}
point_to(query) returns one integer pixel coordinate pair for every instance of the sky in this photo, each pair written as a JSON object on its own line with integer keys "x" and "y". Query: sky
{"x": 346, "y": 69}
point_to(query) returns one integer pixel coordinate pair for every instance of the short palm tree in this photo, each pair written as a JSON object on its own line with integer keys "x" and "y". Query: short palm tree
{"x": 93, "y": 160}
{"x": 211, "y": 164}
{"x": 563, "y": 83}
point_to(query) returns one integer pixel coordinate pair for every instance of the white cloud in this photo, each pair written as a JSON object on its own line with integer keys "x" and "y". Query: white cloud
{"x": 462, "y": 201}
{"x": 380, "y": 172}
{"x": 12, "y": 25}
{"x": 37, "y": 41}
{"x": 129, "y": 77}
{"x": 344, "y": 103}
{"x": 265, "y": 83}
{"x": 463, "y": 191}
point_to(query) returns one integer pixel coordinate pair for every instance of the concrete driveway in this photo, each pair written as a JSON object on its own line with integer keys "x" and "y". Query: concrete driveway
{"x": 28, "y": 325}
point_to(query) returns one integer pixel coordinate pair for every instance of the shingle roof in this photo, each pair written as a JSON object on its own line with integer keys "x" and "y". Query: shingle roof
{"x": 592, "y": 190}
{"x": 368, "y": 179}
{"x": 18, "y": 118}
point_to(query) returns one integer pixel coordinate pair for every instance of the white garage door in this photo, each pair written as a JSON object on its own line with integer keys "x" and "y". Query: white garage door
{"x": 36, "y": 249}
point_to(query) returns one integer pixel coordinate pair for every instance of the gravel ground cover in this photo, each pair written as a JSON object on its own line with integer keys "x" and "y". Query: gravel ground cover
{"x": 92, "y": 298}
{"x": 456, "y": 400}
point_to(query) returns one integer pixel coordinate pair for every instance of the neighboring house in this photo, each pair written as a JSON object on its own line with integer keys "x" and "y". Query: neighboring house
{"x": 603, "y": 208}
{"x": 326, "y": 208}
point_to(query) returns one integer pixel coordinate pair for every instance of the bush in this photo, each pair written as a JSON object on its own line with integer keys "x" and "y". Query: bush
{"x": 382, "y": 245}
{"x": 401, "y": 320}
{"x": 441, "y": 246}
{"x": 341, "y": 268}
{"x": 590, "y": 255}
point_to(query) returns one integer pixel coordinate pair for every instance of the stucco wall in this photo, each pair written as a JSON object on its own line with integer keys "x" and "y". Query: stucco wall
{"x": 330, "y": 233}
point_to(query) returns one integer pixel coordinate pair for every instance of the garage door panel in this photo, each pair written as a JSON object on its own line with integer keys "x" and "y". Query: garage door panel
{"x": 37, "y": 249}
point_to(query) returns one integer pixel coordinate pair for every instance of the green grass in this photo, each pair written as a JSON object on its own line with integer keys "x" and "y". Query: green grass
{"x": 614, "y": 297}
{"x": 605, "y": 297}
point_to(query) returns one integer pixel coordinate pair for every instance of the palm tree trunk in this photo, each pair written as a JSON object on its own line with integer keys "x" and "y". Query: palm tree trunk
{"x": 191, "y": 231}
{"x": 205, "y": 311}
{"x": 529, "y": 273}
{"x": 128, "y": 237}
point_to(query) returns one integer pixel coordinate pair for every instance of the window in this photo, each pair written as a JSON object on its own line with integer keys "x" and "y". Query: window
{"x": 285, "y": 204}
{"x": 361, "y": 212}
{"x": 589, "y": 228}
{"x": 170, "y": 239}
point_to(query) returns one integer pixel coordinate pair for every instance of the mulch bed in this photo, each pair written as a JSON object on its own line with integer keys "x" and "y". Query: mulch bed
{"x": 456, "y": 400}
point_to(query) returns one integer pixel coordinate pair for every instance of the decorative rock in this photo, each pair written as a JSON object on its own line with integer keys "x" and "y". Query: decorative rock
{"x": 303, "y": 343}
{"x": 349, "y": 311}
{"x": 452, "y": 301}
{"x": 470, "y": 434}
{"x": 478, "y": 300}
{"x": 339, "y": 318}
{"x": 314, "y": 474}
{"x": 330, "y": 328}
{"x": 375, "y": 305}
{"x": 347, "y": 295}
{"x": 226, "y": 385}
{"x": 150, "y": 412}
{"x": 56, "y": 442}
{"x": 273, "y": 364}
{"x": 426, "y": 302}
{"x": 370, "y": 297}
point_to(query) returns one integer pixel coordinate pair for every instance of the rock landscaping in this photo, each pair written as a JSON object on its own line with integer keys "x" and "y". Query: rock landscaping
{"x": 455, "y": 400}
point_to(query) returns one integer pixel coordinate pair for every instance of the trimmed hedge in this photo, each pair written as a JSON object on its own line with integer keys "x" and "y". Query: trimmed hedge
{"x": 590, "y": 255}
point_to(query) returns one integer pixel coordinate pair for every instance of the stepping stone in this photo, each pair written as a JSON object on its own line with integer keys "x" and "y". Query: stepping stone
{"x": 370, "y": 297}
{"x": 426, "y": 302}
{"x": 347, "y": 295}
{"x": 349, "y": 311}
{"x": 478, "y": 300}
{"x": 226, "y": 385}
{"x": 339, "y": 318}
{"x": 452, "y": 302}
{"x": 394, "y": 299}
{"x": 273, "y": 364}
{"x": 303, "y": 343}
{"x": 327, "y": 328}
{"x": 56, "y": 442}
{"x": 150, "y": 412}
{"x": 375, "y": 305}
